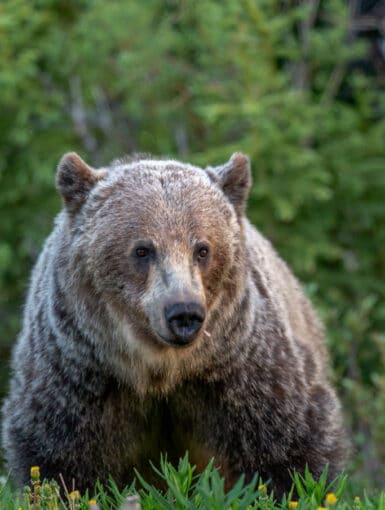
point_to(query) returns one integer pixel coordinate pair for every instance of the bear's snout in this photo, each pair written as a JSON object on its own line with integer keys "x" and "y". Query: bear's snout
{"x": 184, "y": 320}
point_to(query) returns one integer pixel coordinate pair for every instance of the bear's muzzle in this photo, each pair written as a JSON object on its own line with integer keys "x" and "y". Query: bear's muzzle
{"x": 184, "y": 321}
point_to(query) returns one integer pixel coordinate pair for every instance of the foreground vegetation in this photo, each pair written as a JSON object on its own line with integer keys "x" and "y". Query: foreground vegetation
{"x": 186, "y": 490}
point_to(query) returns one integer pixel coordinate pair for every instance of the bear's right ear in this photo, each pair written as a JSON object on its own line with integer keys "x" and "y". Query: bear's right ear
{"x": 74, "y": 180}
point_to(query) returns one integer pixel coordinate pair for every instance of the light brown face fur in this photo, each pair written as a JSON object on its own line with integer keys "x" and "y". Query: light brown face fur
{"x": 155, "y": 235}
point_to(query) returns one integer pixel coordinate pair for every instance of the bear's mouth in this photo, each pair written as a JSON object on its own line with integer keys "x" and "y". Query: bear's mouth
{"x": 179, "y": 343}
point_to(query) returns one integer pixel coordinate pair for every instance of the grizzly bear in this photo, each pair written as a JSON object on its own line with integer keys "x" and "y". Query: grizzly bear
{"x": 159, "y": 320}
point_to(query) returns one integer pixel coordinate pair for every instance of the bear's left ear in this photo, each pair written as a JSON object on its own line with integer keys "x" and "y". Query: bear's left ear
{"x": 234, "y": 177}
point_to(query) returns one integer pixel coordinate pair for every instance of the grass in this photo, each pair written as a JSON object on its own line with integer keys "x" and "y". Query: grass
{"x": 186, "y": 490}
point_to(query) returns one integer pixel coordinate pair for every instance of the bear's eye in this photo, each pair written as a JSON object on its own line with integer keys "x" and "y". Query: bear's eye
{"x": 142, "y": 252}
{"x": 202, "y": 252}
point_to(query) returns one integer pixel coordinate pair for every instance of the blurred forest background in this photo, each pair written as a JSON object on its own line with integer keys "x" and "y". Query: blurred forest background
{"x": 298, "y": 85}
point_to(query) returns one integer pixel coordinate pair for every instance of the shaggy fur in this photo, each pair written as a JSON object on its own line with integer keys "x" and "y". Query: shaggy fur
{"x": 98, "y": 385}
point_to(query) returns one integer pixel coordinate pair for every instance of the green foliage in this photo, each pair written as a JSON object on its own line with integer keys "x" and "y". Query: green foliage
{"x": 316, "y": 490}
{"x": 188, "y": 492}
{"x": 185, "y": 490}
{"x": 199, "y": 80}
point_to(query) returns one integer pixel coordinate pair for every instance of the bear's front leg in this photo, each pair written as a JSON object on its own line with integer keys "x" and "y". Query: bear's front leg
{"x": 94, "y": 438}
{"x": 250, "y": 430}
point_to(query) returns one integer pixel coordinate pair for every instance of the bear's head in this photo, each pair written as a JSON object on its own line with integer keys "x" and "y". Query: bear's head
{"x": 158, "y": 242}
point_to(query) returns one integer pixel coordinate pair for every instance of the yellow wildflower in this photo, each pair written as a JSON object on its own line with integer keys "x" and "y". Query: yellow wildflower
{"x": 74, "y": 495}
{"x": 331, "y": 499}
{"x": 35, "y": 473}
{"x": 92, "y": 502}
{"x": 293, "y": 505}
{"x": 263, "y": 489}
{"x": 321, "y": 508}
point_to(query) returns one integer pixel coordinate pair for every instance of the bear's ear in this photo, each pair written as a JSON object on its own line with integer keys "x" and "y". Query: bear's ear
{"x": 74, "y": 180}
{"x": 234, "y": 177}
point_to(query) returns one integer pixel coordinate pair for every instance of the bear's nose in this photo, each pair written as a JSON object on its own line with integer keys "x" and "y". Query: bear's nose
{"x": 184, "y": 321}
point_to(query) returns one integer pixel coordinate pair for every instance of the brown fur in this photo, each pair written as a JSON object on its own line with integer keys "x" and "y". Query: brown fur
{"x": 101, "y": 383}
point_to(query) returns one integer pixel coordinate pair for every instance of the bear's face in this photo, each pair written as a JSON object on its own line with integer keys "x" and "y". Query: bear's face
{"x": 156, "y": 239}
